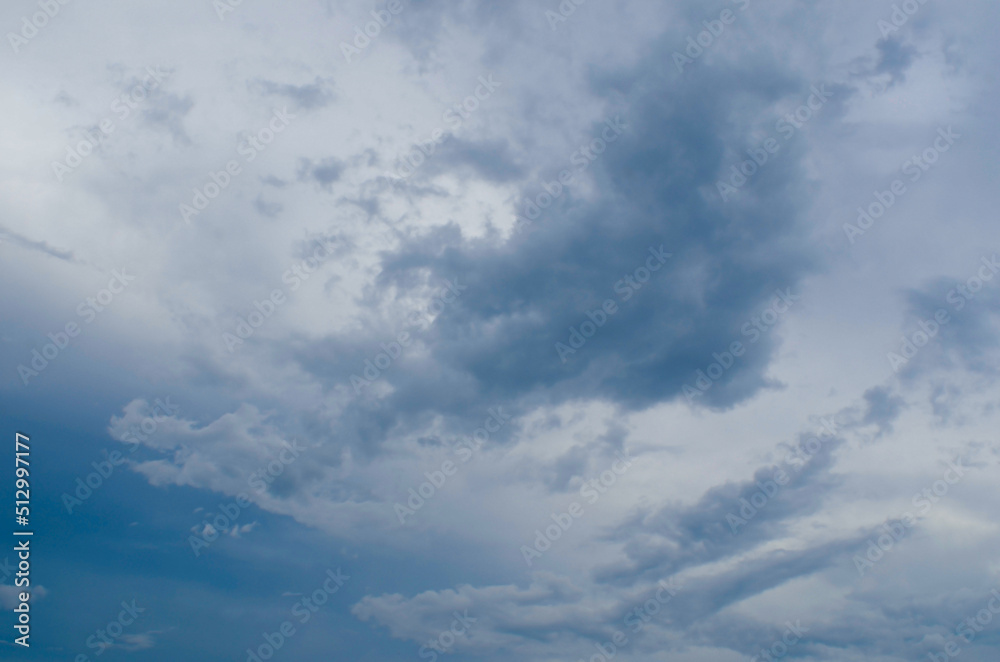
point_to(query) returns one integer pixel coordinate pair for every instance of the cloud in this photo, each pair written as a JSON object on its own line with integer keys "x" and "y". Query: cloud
{"x": 614, "y": 156}
{"x": 325, "y": 173}
{"x": 490, "y": 161}
{"x": 40, "y": 246}
{"x": 894, "y": 59}
{"x": 9, "y": 594}
{"x": 883, "y": 407}
{"x": 310, "y": 96}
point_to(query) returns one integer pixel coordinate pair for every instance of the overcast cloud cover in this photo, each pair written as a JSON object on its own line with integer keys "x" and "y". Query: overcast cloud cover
{"x": 609, "y": 329}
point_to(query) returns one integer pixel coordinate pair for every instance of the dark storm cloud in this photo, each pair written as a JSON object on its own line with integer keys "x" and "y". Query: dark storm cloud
{"x": 657, "y": 183}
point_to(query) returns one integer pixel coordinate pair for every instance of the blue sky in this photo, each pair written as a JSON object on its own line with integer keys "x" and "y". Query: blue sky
{"x": 478, "y": 330}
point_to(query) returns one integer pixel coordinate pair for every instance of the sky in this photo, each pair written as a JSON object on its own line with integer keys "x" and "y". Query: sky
{"x": 453, "y": 330}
